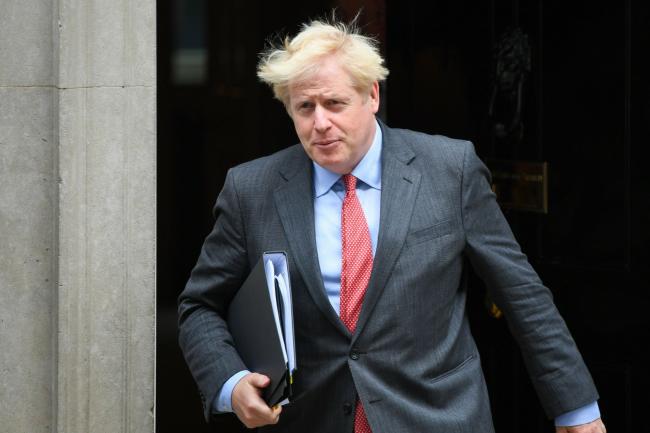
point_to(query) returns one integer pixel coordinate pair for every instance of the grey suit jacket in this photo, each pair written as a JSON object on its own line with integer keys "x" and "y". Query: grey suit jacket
{"x": 412, "y": 360}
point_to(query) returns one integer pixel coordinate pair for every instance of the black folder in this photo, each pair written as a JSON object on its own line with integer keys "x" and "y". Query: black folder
{"x": 254, "y": 330}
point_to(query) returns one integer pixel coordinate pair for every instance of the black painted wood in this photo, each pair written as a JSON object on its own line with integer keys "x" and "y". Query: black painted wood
{"x": 586, "y": 113}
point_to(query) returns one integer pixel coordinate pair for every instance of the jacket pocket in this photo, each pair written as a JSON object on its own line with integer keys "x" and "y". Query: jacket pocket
{"x": 454, "y": 370}
{"x": 435, "y": 231}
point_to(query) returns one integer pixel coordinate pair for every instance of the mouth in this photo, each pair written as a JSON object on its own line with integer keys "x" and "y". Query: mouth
{"x": 326, "y": 143}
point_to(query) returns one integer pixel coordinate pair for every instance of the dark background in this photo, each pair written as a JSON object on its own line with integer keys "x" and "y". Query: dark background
{"x": 585, "y": 111}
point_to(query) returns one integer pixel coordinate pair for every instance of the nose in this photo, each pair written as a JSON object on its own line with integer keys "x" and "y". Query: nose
{"x": 321, "y": 119}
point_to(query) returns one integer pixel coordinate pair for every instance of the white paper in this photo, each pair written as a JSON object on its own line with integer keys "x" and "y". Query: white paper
{"x": 269, "y": 270}
{"x": 276, "y": 269}
{"x": 288, "y": 319}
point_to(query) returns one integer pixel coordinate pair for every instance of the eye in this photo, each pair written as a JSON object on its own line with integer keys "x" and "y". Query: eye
{"x": 305, "y": 105}
{"x": 335, "y": 103}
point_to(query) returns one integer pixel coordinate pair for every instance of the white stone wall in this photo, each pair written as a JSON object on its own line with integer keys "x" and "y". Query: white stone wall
{"x": 77, "y": 215}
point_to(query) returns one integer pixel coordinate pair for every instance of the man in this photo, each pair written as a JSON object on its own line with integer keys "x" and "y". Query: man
{"x": 377, "y": 224}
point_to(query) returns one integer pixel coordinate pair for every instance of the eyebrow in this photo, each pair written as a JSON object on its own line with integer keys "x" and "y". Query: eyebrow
{"x": 302, "y": 98}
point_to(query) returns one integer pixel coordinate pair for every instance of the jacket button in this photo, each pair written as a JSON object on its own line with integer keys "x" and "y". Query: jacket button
{"x": 354, "y": 355}
{"x": 347, "y": 408}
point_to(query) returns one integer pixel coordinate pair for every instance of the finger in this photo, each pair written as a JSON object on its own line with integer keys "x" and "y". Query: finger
{"x": 259, "y": 414}
{"x": 265, "y": 415}
{"x": 276, "y": 411}
{"x": 259, "y": 380}
{"x": 261, "y": 409}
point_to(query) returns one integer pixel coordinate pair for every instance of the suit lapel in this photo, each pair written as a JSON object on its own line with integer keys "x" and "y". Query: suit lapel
{"x": 295, "y": 204}
{"x": 399, "y": 187}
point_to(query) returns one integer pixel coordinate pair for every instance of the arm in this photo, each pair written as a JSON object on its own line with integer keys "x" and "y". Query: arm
{"x": 556, "y": 368}
{"x": 203, "y": 332}
{"x": 220, "y": 270}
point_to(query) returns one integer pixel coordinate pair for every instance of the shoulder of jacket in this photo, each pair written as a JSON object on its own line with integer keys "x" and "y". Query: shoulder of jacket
{"x": 434, "y": 147}
{"x": 264, "y": 173}
{"x": 426, "y": 141}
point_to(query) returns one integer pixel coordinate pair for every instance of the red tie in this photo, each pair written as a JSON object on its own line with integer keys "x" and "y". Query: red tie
{"x": 355, "y": 270}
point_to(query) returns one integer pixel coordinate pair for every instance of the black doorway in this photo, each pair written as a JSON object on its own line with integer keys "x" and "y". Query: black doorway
{"x": 584, "y": 111}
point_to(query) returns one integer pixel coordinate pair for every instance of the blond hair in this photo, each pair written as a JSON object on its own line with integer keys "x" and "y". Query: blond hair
{"x": 299, "y": 57}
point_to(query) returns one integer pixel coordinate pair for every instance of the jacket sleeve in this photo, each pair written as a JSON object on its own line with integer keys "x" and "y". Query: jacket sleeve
{"x": 219, "y": 272}
{"x": 554, "y": 364}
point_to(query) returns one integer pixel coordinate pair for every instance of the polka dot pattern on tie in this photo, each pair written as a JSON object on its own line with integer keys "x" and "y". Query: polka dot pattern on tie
{"x": 360, "y": 421}
{"x": 356, "y": 254}
{"x": 355, "y": 270}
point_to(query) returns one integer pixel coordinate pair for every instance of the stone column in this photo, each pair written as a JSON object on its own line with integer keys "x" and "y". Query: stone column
{"x": 28, "y": 222}
{"x": 77, "y": 215}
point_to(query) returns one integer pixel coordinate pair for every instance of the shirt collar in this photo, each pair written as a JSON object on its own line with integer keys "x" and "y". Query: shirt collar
{"x": 368, "y": 170}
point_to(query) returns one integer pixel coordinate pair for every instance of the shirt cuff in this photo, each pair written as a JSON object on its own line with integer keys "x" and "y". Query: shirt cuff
{"x": 223, "y": 402}
{"x": 583, "y": 415}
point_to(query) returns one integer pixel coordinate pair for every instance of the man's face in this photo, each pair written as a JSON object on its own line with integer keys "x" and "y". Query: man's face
{"x": 334, "y": 122}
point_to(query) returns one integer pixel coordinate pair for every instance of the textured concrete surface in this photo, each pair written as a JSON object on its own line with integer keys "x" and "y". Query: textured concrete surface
{"x": 107, "y": 43}
{"x": 106, "y": 341}
{"x": 26, "y": 36}
{"x": 77, "y": 216}
{"x": 27, "y": 258}
{"x": 28, "y": 225}
{"x": 107, "y": 234}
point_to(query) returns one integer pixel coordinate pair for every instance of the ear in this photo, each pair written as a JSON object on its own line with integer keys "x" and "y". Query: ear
{"x": 374, "y": 97}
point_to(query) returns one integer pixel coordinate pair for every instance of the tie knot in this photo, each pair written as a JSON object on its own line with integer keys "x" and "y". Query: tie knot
{"x": 350, "y": 182}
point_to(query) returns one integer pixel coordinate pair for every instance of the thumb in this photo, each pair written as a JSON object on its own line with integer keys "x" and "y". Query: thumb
{"x": 259, "y": 380}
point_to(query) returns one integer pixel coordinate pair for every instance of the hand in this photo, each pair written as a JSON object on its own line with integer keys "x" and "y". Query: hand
{"x": 249, "y": 406}
{"x": 596, "y": 426}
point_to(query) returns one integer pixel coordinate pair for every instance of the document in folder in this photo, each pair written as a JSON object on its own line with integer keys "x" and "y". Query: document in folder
{"x": 260, "y": 319}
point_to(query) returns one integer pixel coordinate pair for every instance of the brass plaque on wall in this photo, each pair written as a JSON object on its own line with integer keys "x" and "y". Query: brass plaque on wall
{"x": 520, "y": 185}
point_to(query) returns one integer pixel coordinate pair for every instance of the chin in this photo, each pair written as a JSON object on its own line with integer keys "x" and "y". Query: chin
{"x": 339, "y": 168}
{"x": 337, "y": 159}
{"x": 330, "y": 163}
